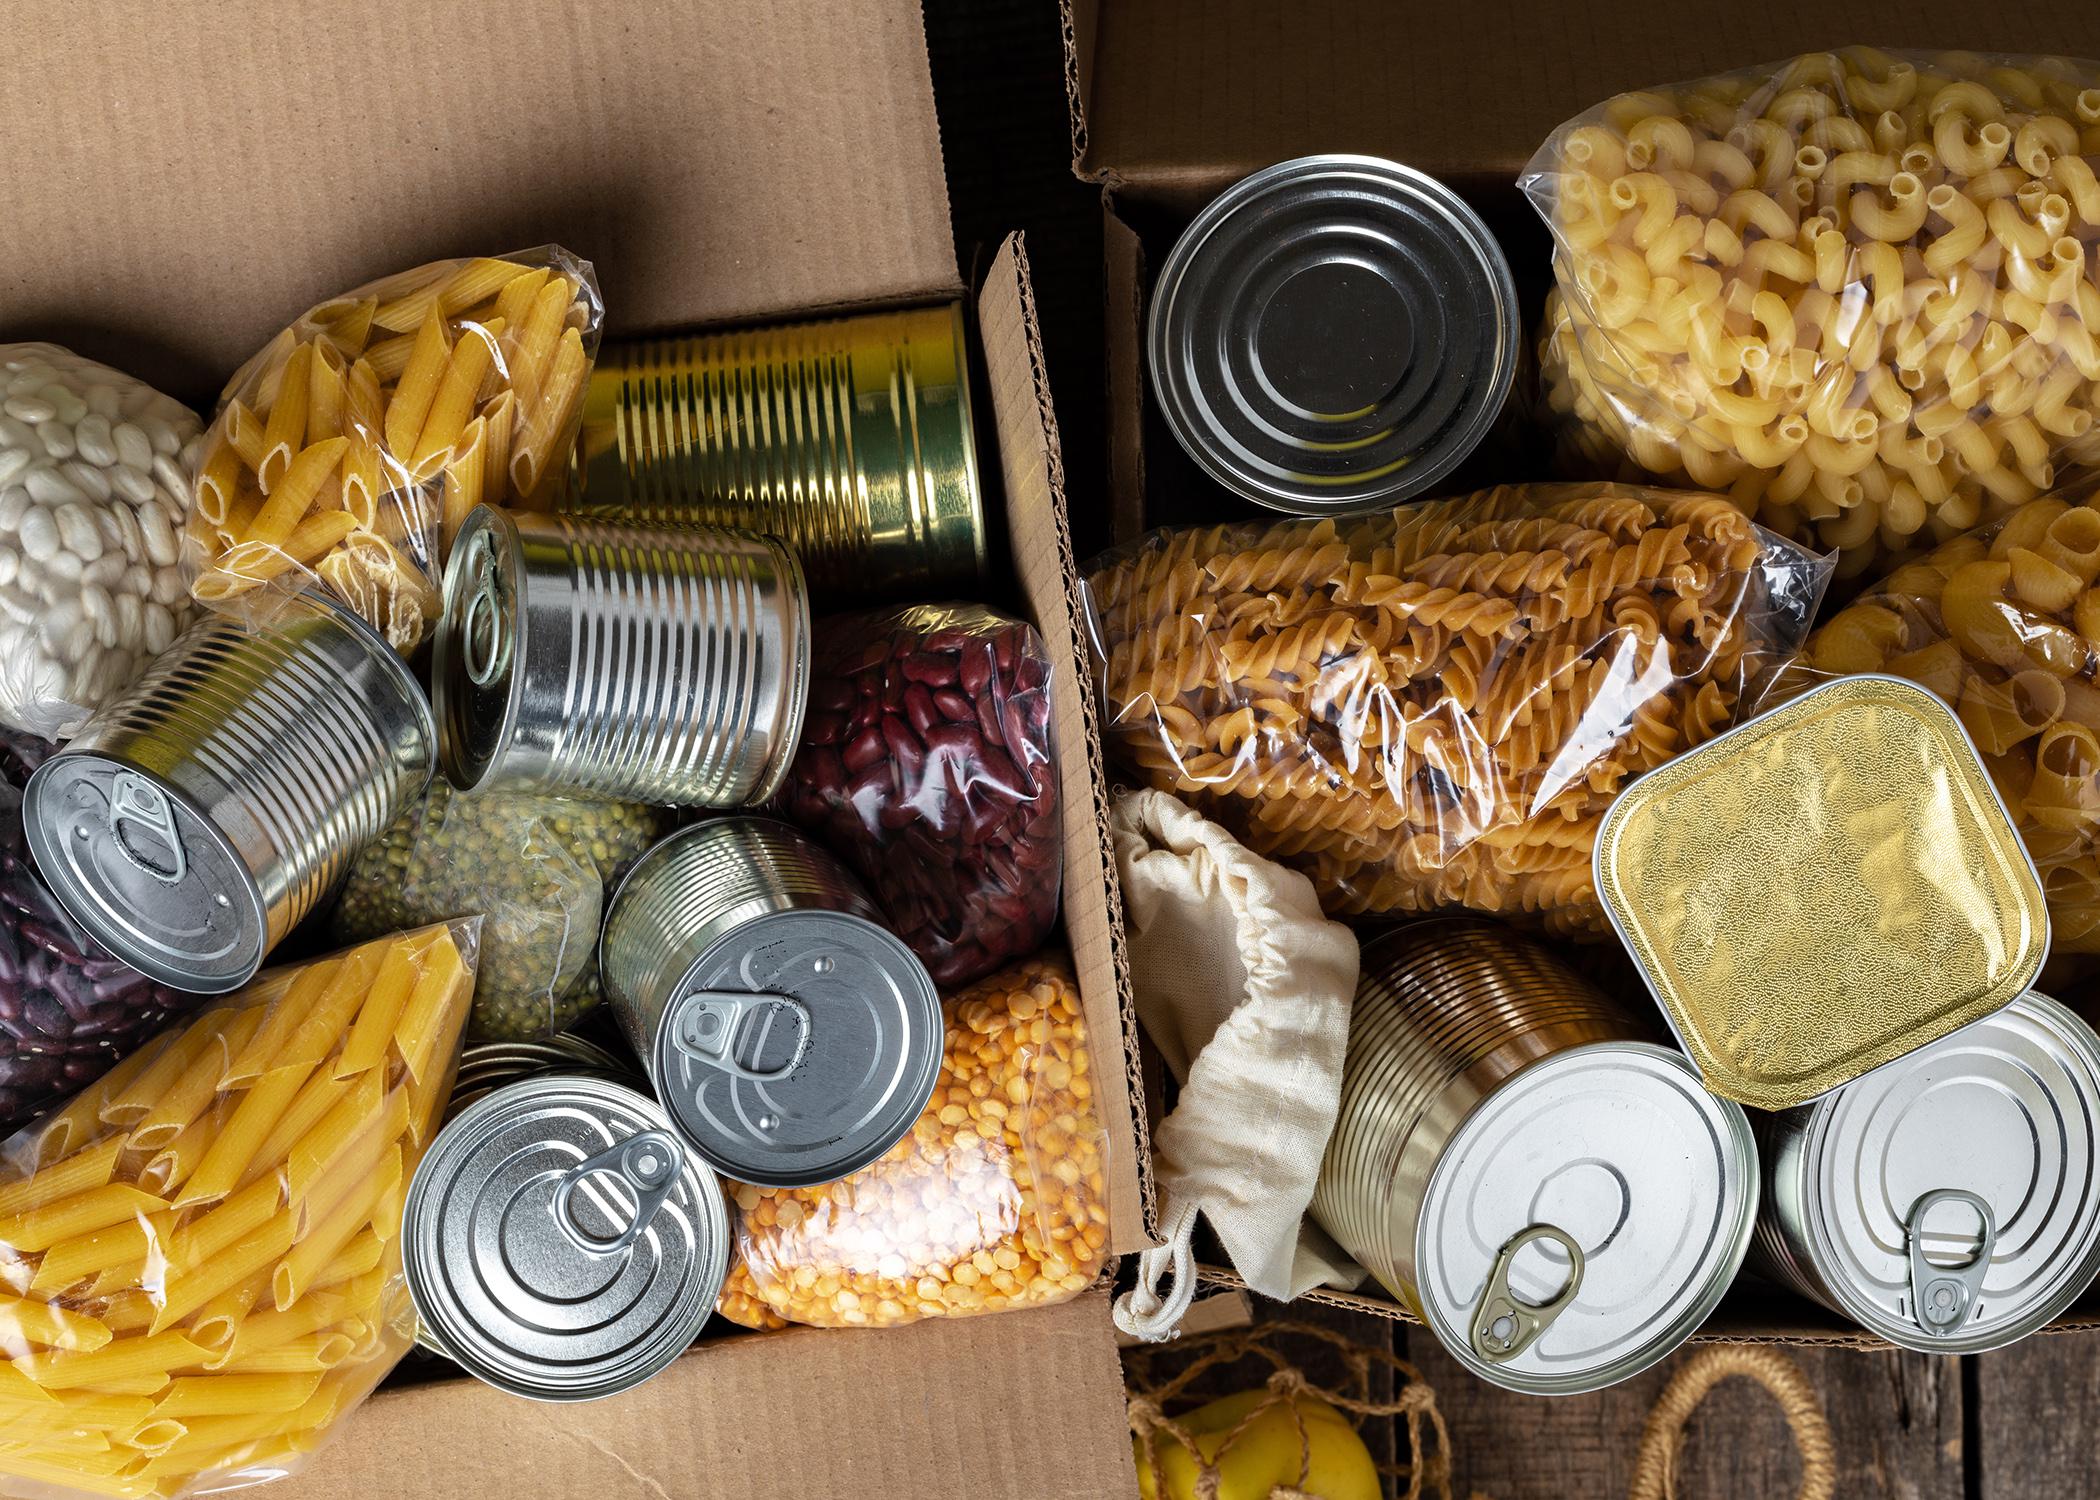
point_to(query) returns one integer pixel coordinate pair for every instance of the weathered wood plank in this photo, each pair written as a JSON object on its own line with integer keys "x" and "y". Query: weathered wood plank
{"x": 2040, "y": 1407}
{"x": 1896, "y": 1422}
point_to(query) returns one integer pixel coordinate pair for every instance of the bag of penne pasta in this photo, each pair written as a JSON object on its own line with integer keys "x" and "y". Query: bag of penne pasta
{"x": 200, "y": 1268}
{"x": 2003, "y": 623}
{"x": 1855, "y": 291}
{"x": 349, "y": 450}
{"x": 1432, "y": 707}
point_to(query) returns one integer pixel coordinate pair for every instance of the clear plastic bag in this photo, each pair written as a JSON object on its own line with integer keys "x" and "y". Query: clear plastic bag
{"x": 2003, "y": 624}
{"x": 352, "y": 447}
{"x": 68, "y": 1010}
{"x": 200, "y": 1255}
{"x": 94, "y": 495}
{"x": 925, "y": 763}
{"x": 1433, "y": 706}
{"x": 534, "y": 868}
{"x": 1854, "y": 291}
{"x": 996, "y": 1199}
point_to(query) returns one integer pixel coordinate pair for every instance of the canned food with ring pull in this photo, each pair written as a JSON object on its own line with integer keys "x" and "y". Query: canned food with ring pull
{"x": 560, "y": 1242}
{"x": 1556, "y": 1196}
{"x": 204, "y": 810}
{"x": 1946, "y": 1202}
{"x": 791, "y": 1035}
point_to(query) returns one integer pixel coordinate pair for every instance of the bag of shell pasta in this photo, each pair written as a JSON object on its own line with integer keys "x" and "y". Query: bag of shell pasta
{"x": 996, "y": 1199}
{"x": 1433, "y": 706}
{"x": 1855, "y": 291}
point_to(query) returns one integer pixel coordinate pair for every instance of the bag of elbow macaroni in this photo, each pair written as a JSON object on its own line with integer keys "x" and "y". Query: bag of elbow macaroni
{"x": 350, "y": 449}
{"x": 200, "y": 1267}
{"x": 1856, "y": 291}
{"x": 2003, "y": 623}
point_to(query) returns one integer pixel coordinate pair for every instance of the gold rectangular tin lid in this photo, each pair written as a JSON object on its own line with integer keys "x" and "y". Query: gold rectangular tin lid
{"x": 1822, "y": 889}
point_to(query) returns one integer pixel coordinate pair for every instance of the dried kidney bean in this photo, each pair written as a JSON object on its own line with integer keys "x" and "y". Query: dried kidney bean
{"x": 926, "y": 763}
{"x": 68, "y": 1010}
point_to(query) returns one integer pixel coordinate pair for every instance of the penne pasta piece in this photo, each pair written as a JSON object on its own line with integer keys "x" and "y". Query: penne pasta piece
{"x": 98, "y": 1208}
{"x": 127, "y": 1312}
{"x": 389, "y": 357}
{"x": 324, "y": 397}
{"x": 463, "y": 480}
{"x": 129, "y": 1243}
{"x": 351, "y": 328}
{"x": 296, "y": 488}
{"x": 218, "y": 481}
{"x": 363, "y": 1253}
{"x": 282, "y": 1017}
{"x": 284, "y": 425}
{"x": 559, "y": 400}
{"x": 321, "y": 1093}
{"x": 236, "y": 1395}
{"x": 477, "y": 281}
{"x": 440, "y": 989}
{"x": 87, "y": 1168}
{"x": 364, "y": 423}
{"x": 67, "y": 1474}
{"x": 229, "y": 1029}
{"x": 531, "y": 353}
{"x": 80, "y": 1121}
{"x": 192, "y": 1284}
{"x": 226, "y": 1162}
{"x": 243, "y": 429}
{"x": 310, "y": 1351}
{"x": 347, "y": 980}
{"x": 315, "y": 1313}
{"x": 26, "y": 1321}
{"x": 418, "y": 386}
{"x": 366, "y": 1046}
{"x": 170, "y": 1167}
{"x": 104, "y": 1411}
{"x": 119, "y": 1362}
{"x": 248, "y": 565}
{"x": 238, "y": 1217}
{"x": 326, "y": 1238}
{"x": 218, "y": 1322}
{"x": 516, "y": 298}
{"x": 451, "y": 407}
{"x": 358, "y": 1110}
{"x": 136, "y": 1099}
{"x": 501, "y": 416}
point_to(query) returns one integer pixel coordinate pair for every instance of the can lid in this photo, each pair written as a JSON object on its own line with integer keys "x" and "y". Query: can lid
{"x": 1948, "y": 1200}
{"x": 474, "y": 668}
{"x": 1333, "y": 334}
{"x": 148, "y": 875}
{"x": 1585, "y": 1219}
{"x": 801, "y": 1047}
{"x": 1822, "y": 889}
{"x": 560, "y": 1243}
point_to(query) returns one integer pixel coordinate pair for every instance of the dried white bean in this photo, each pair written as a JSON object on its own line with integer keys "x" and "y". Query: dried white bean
{"x": 76, "y": 642}
{"x": 30, "y": 409}
{"x": 92, "y": 438}
{"x": 170, "y": 475}
{"x": 159, "y": 534}
{"x": 28, "y": 382}
{"x": 19, "y": 605}
{"x": 132, "y": 484}
{"x": 57, "y": 439}
{"x": 104, "y": 402}
{"x": 167, "y": 442}
{"x": 89, "y": 479}
{"x": 10, "y": 562}
{"x": 49, "y": 487}
{"x": 131, "y": 617}
{"x": 60, "y": 620}
{"x": 135, "y": 579}
{"x": 63, "y": 564}
{"x": 124, "y": 521}
{"x": 38, "y": 534}
{"x": 15, "y": 434}
{"x": 158, "y": 628}
{"x": 76, "y": 528}
{"x": 12, "y": 462}
{"x": 109, "y": 570}
{"x": 14, "y": 500}
{"x": 133, "y": 446}
{"x": 168, "y": 587}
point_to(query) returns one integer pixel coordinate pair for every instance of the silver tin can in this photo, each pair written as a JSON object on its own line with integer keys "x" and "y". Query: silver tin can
{"x": 485, "y": 1067}
{"x": 791, "y": 1035}
{"x": 648, "y": 664}
{"x": 1554, "y": 1195}
{"x": 1947, "y": 1201}
{"x": 206, "y": 809}
{"x": 1333, "y": 334}
{"x": 560, "y": 1242}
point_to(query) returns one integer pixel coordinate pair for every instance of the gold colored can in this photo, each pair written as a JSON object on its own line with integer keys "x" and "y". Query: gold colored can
{"x": 1823, "y": 889}
{"x": 850, "y": 439}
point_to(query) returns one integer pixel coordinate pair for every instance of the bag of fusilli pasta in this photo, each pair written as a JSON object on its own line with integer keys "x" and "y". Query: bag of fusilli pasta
{"x": 1856, "y": 291}
{"x": 2003, "y": 623}
{"x": 1432, "y": 707}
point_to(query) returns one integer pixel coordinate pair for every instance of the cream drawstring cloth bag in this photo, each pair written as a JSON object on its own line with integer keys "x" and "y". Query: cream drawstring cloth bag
{"x": 1245, "y": 987}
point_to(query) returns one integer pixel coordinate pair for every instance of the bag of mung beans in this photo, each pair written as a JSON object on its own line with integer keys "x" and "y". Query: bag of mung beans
{"x": 996, "y": 1199}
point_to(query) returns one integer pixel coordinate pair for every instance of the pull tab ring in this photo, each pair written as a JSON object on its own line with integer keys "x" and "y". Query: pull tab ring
{"x": 484, "y": 646}
{"x": 1942, "y": 1297}
{"x": 649, "y": 1162}
{"x": 708, "y": 1027}
{"x": 134, "y": 799}
{"x": 1504, "y": 1324}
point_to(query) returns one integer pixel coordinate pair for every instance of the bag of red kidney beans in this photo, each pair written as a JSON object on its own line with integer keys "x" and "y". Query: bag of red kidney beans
{"x": 925, "y": 764}
{"x": 68, "y": 1011}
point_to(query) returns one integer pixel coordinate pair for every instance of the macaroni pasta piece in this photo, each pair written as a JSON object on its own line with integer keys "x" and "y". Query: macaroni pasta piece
{"x": 210, "y": 1237}
{"x": 1432, "y": 707}
{"x": 1871, "y": 327}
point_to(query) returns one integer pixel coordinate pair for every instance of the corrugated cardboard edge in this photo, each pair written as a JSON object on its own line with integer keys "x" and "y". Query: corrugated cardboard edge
{"x": 1123, "y": 291}
{"x": 1079, "y": 22}
{"x": 1019, "y": 1406}
{"x": 1033, "y": 466}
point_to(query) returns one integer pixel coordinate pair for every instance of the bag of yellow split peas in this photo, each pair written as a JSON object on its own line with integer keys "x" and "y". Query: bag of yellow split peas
{"x": 1857, "y": 291}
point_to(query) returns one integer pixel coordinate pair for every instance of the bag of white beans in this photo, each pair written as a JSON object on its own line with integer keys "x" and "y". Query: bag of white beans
{"x": 1857, "y": 291}
{"x": 94, "y": 495}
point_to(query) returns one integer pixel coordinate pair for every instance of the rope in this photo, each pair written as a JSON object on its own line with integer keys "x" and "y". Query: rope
{"x": 1428, "y": 1471}
{"x": 1662, "y": 1439}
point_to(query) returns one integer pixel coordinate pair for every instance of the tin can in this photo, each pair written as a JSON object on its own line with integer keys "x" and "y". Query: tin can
{"x": 850, "y": 439}
{"x": 1333, "y": 334}
{"x": 1822, "y": 889}
{"x": 207, "y": 808}
{"x": 1947, "y": 1201}
{"x": 645, "y": 664}
{"x": 792, "y": 1036}
{"x": 560, "y": 1242}
{"x": 1552, "y": 1193}
{"x": 485, "y": 1067}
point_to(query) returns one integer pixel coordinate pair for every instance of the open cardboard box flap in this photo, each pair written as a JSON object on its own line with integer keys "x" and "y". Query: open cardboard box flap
{"x": 186, "y": 179}
{"x": 1171, "y": 101}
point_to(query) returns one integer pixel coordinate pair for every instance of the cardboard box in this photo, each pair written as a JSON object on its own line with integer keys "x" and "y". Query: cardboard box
{"x": 1171, "y": 101}
{"x": 187, "y": 179}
